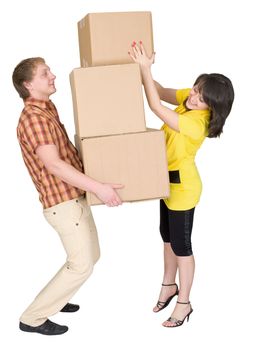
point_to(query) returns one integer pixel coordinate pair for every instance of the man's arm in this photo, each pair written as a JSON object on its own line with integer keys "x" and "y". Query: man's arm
{"x": 48, "y": 154}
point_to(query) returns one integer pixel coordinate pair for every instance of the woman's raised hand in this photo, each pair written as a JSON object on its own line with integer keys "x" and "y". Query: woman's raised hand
{"x": 139, "y": 55}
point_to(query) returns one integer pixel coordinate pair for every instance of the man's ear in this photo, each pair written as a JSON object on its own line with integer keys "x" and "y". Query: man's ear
{"x": 27, "y": 85}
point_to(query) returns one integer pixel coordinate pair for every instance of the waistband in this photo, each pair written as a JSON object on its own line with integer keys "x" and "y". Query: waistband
{"x": 65, "y": 203}
{"x": 174, "y": 176}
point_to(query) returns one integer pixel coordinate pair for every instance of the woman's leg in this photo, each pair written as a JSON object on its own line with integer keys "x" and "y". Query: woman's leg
{"x": 180, "y": 223}
{"x": 170, "y": 263}
{"x": 170, "y": 268}
{"x": 186, "y": 265}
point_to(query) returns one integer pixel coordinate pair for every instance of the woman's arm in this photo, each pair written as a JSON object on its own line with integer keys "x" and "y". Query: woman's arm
{"x": 166, "y": 114}
{"x": 166, "y": 94}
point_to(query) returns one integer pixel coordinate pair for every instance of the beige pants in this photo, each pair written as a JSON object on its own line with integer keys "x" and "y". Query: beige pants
{"x": 74, "y": 223}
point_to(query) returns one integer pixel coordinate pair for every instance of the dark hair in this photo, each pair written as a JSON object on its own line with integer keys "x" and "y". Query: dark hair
{"x": 23, "y": 72}
{"x": 218, "y": 93}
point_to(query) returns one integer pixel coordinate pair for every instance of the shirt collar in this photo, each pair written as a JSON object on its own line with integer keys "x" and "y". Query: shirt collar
{"x": 39, "y": 103}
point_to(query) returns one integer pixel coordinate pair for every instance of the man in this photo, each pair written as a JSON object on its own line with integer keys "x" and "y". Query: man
{"x": 56, "y": 170}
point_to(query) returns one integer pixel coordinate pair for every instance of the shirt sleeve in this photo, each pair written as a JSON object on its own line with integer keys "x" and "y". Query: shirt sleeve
{"x": 37, "y": 132}
{"x": 181, "y": 95}
{"x": 191, "y": 126}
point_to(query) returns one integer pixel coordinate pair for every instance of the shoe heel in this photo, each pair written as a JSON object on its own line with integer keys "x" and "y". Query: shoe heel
{"x": 188, "y": 316}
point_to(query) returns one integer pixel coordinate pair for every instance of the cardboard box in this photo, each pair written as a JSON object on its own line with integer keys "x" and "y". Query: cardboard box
{"x": 105, "y": 38}
{"x": 107, "y": 100}
{"x": 138, "y": 161}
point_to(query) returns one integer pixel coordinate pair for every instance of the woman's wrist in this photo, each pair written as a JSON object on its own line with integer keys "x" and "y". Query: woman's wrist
{"x": 146, "y": 74}
{"x": 145, "y": 69}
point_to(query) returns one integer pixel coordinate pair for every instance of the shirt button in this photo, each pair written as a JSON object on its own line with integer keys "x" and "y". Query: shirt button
{"x": 54, "y": 213}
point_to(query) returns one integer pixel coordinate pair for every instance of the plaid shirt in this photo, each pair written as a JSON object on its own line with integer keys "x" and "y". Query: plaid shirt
{"x": 38, "y": 125}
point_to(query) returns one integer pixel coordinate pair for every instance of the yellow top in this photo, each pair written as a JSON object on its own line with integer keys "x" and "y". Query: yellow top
{"x": 181, "y": 148}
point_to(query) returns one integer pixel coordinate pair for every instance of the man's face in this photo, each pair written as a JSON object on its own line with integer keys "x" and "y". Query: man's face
{"x": 43, "y": 83}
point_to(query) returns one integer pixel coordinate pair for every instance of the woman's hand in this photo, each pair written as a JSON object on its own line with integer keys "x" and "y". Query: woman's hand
{"x": 166, "y": 114}
{"x": 139, "y": 56}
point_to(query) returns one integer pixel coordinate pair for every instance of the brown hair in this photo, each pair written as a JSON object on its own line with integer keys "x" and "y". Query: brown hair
{"x": 23, "y": 72}
{"x": 218, "y": 93}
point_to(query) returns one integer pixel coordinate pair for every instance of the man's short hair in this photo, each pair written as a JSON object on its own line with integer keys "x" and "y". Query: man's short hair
{"x": 24, "y": 72}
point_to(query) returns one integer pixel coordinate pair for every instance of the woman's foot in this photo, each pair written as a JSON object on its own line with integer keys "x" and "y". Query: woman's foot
{"x": 181, "y": 312}
{"x": 168, "y": 291}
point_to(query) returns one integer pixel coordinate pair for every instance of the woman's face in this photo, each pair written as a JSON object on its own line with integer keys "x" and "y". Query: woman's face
{"x": 195, "y": 100}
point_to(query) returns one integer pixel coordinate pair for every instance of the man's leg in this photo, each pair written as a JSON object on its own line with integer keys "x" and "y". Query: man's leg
{"x": 74, "y": 223}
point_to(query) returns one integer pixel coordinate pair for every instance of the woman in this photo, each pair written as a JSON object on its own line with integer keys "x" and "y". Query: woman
{"x": 201, "y": 112}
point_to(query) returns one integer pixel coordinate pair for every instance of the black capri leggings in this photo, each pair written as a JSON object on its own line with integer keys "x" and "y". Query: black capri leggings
{"x": 175, "y": 228}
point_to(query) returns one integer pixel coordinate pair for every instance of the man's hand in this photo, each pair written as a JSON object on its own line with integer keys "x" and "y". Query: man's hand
{"x": 108, "y": 195}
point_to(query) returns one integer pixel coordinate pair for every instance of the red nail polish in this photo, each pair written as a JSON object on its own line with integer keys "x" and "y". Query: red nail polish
{"x": 140, "y": 42}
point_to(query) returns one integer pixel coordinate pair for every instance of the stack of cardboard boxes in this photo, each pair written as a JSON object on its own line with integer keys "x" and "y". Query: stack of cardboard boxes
{"x": 111, "y": 134}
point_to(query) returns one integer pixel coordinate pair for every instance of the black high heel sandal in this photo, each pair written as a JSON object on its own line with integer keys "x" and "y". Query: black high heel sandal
{"x": 177, "y": 322}
{"x": 162, "y": 304}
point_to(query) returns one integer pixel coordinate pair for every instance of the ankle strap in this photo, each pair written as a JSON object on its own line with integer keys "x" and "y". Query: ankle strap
{"x": 179, "y": 302}
{"x": 167, "y": 285}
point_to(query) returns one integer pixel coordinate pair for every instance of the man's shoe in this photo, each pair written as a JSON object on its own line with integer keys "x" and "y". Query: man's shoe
{"x": 47, "y": 328}
{"x": 70, "y": 308}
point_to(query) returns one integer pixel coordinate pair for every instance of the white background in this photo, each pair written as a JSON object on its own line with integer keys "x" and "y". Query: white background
{"x": 191, "y": 37}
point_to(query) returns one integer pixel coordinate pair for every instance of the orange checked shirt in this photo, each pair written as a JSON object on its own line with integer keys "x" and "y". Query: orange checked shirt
{"x": 38, "y": 125}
